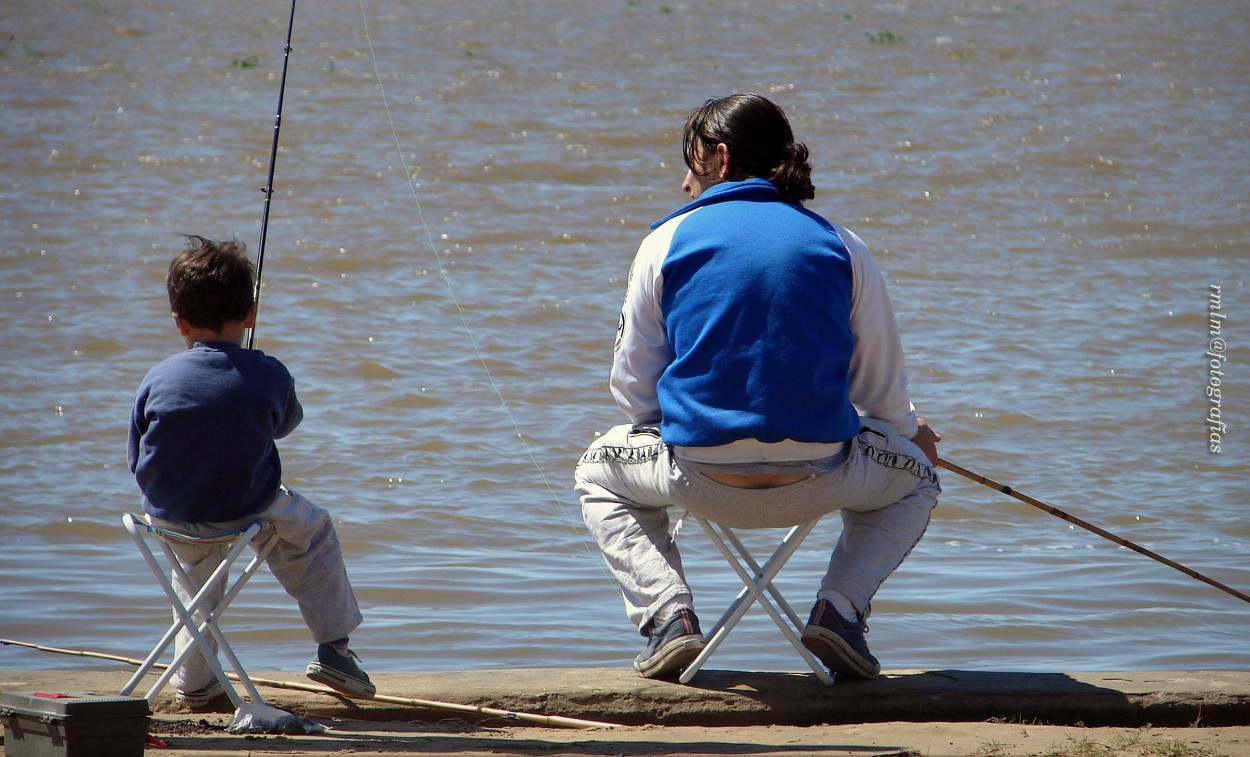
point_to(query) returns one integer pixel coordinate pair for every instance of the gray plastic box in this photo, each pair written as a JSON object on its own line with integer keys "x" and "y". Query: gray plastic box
{"x": 73, "y": 724}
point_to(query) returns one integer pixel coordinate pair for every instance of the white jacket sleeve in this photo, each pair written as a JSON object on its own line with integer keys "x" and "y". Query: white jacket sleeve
{"x": 642, "y": 350}
{"x": 878, "y": 372}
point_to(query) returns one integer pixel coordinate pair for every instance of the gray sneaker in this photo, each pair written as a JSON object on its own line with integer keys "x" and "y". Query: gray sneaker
{"x": 200, "y": 697}
{"x": 839, "y": 643}
{"x": 340, "y": 672}
{"x": 671, "y": 647}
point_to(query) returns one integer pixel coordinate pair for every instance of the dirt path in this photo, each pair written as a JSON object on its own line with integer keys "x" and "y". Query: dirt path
{"x": 188, "y": 736}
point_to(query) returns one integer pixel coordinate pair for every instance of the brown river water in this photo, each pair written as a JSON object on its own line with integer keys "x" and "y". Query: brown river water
{"x": 1057, "y": 192}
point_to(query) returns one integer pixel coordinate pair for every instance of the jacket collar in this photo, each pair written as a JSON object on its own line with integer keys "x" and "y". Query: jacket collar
{"x": 757, "y": 190}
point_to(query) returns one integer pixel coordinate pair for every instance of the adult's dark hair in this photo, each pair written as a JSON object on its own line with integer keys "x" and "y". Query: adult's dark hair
{"x": 760, "y": 142}
{"x": 211, "y": 283}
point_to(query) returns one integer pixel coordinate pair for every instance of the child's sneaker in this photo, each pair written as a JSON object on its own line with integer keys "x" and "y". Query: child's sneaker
{"x": 671, "y": 647}
{"x": 339, "y": 671}
{"x": 200, "y": 697}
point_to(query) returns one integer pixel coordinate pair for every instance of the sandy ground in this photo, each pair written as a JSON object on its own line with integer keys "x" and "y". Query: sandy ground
{"x": 205, "y": 735}
{"x": 960, "y": 713}
{"x": 189, "y": 736}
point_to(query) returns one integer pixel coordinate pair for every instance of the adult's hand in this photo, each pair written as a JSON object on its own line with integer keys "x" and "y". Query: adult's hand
{"x": 927, "y": 440}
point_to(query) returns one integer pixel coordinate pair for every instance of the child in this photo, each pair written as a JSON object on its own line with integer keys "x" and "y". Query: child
{"x": 202, "y": 450}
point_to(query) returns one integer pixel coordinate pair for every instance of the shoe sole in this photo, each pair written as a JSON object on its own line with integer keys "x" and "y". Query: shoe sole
{"x": 672, "y": 657}
{"x": 834, "y": 652}
{"x": 338, "y": 681}
{"x": 193, "y": 702}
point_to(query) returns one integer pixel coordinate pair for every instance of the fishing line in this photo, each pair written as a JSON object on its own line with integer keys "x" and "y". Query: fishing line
{"x": 1010, "y": 492}
{"x": 273, "y": 163}
{"x": 464, "y": 322}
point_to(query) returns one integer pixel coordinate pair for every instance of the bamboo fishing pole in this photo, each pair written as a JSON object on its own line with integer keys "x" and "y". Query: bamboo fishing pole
{"x": 273, "y": 163}
{"x": 1010, "y": 492}
{"x": 555, "y": 720}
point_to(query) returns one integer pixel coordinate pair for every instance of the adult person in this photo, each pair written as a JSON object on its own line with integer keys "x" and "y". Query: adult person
{"x": 758, "y": 361}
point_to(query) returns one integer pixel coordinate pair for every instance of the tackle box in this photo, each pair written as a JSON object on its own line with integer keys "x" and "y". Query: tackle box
{"x": 73, "y": 724}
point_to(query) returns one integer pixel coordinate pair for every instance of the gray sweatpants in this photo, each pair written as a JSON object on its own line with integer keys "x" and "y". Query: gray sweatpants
{"x": 628, "y": 480}
{"x": 307, "y": 562}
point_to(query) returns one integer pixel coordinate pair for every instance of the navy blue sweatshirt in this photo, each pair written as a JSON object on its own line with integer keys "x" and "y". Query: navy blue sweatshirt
{"x": 202, "y": 433}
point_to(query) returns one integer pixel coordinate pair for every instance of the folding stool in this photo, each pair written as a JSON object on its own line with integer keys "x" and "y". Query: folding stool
{"x": 196, "y": 616}
{"x": 757, "y": 586}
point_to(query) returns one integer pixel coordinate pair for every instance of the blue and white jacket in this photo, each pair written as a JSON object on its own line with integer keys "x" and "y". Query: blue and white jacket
{"x": 754, "y": 330}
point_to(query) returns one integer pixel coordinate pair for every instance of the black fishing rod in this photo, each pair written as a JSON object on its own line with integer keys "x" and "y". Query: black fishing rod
{"x": 1010, "y": 492}
{"x": 273, "y": 162}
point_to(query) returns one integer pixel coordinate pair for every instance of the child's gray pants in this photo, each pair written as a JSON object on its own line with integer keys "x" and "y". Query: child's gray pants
{"x": 307, "y": 562}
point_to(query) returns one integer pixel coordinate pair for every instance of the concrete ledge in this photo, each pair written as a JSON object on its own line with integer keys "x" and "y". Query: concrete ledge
{"x": 732, "y": 698}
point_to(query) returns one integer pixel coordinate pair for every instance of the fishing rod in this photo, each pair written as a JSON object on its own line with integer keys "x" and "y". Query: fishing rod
{"x": 557, "y": 720}
{"x": 1010, "y": 492}
{"x": 273, "y": 163}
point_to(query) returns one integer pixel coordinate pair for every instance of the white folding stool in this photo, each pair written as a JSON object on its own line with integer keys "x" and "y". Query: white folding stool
{"x": 757, "y": 586}
{"x": 196, "y": 616}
